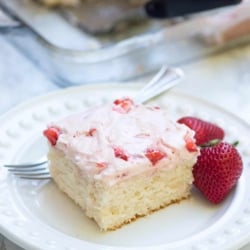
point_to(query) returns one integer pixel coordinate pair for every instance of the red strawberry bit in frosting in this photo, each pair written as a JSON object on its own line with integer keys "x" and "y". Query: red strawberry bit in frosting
{"x": 190, "y": 144}
{"x": 101, "y": 164}
{"x": 119, "y": 153}
{"x": 123, "y": 105}
{"x": 154, "y": 155}
{"x": 91, "y": 132}
{"x": 52, "y": 134}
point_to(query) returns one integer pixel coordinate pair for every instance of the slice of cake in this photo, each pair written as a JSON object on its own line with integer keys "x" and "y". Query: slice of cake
{"x": 121, "y": 161}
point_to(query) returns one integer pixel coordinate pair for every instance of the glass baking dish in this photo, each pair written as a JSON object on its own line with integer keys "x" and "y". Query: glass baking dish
{"x": 127, "y": 56}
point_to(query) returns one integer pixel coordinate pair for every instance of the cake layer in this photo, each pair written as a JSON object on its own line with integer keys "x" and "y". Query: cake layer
{"x": 112, "y": 207}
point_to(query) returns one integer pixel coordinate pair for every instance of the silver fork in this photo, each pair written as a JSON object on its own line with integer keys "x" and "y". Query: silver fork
{"x": 31, "y": 170}
{"x": 164, "y": 80}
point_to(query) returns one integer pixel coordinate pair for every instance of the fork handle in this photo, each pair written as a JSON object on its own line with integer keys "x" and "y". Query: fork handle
{"x": 164, "y": 80}
{"x": 176, "y": 8}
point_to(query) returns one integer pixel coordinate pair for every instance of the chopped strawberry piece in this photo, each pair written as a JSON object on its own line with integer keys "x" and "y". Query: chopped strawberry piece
{"x": 123, "y": 105}
{"x": 190, "y": 144}
{"x": 91, "y": 132}
{"x": 154, "y": 155}
{"x": 101, "y": 164}
{"x": 52, "y": 134}
{"x": 119, "y": 153}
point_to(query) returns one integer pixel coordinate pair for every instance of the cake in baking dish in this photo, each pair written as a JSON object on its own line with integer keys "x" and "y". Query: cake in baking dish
{"x": 120, "y": 161}
{"x": 75, "y": 2}
{"x": 59, "y": 2}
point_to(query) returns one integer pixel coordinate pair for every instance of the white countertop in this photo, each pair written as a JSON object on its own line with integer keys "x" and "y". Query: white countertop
{"x": 223, "y": 79}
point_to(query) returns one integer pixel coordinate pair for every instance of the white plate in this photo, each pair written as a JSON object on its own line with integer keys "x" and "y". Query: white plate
{"x": 36, "y": 215}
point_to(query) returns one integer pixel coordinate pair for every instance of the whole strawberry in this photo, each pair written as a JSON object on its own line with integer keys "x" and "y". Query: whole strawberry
{"x": 217, "y": 171}
{"x": 204, "y": 131}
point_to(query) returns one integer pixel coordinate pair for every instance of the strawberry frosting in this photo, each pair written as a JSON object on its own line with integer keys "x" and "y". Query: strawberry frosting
{"x": 120, "y": 139}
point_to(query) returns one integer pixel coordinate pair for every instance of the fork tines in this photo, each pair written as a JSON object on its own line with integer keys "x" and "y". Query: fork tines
{"x": 30, "y": 170}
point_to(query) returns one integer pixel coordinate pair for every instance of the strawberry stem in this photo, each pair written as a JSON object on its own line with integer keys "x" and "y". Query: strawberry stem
{"x": 211, "y": 143}
{"x": 236, "y": 143}
{"x": 215, "y": 142}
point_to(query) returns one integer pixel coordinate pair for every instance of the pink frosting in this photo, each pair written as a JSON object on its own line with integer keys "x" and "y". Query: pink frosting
{"x": 116, "y": 141}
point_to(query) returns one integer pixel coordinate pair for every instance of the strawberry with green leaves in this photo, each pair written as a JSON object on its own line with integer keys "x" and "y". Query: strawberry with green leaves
{"x": 219, "y": 165}
{"x": 217, "y": 170}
